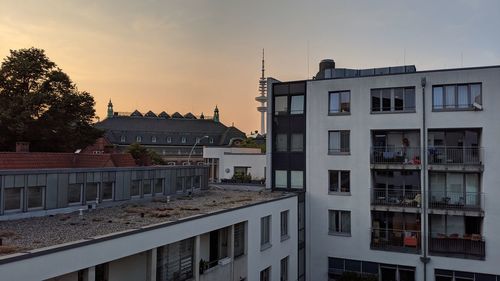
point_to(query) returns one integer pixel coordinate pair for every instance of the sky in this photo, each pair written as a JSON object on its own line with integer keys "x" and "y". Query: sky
{"x": 191, "y": 55}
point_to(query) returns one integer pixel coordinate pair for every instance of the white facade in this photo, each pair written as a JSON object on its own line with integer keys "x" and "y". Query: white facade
{"x": 228, "y": 158}
{"x": 132, "y": 255}
{"x": 361, "y": 123}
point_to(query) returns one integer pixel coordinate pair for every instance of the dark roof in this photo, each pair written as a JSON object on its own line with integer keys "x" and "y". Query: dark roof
{"x": 163, "y": 114}
{"x": 177, "y": 115}
{"x": 136, "y": 113}
{"x": 150, "y": 114}
{"x": 189, "y": 115}
{"x": 50, "y": 160}
{"x": 161, "y": 129}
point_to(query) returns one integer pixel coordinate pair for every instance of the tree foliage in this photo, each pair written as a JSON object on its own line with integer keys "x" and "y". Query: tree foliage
{"x": 144, "y": 156}
{"x": 40, "y": 104}
{"x": 251, "y": 143}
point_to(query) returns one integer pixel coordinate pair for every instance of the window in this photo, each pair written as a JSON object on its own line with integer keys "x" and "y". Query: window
{"x": 135, "y": 188}
{"x": 240, "y": 170}
{"x": 146, "y": 188}
{"x": 239, "y": 239}
{"x": 265, "y": 275}
{"x": 284, "y": 225}
{"x": 74, "y": 193}
{"x": 153, "y": 139}
{"x": 211, "y": 140}
{"x": 183, "y": 140}
{"x": 169, "y": 139}
{"x": 280, "y": 105}
{"x": 284, "y": 269}
{"x": 340, "y": 102}
{"x": 158, "y": 186}
{"x": 179, "y": 184}
{"x": 297, "y": 143}
{"x": 280, "y": 179}
{"x": 35, "y": 197}
{"x": 393, "y": 100}
{"x": 339, "y": 222}
{"x": 123, "y": 138}
{"x": 175, "y": 261}
{"x": 297, "y": 105}
{"x": 12, "y": 198}
{"x": 281, "y": 143}
{"x": 138, "y": 139}
{"x": 91, "y": 194}
{"x": 297, "y": 179}
{"x": 453, "y": 97}
{"x": 339, "y": 181}
{"x": 338, "y": 142}
{"x": 265, "y": 232}
{"x": 107, "y": 191}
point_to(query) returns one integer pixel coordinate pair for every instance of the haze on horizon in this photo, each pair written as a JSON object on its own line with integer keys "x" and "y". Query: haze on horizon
{"x": 189, "y": 56}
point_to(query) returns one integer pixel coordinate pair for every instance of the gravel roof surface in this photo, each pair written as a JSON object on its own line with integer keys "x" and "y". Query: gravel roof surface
{"x": 38, "y": 232}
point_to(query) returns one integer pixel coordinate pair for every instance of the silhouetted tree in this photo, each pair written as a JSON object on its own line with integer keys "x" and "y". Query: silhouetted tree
{"x": 144, "y": 156}
{"x": 40, "y": 104}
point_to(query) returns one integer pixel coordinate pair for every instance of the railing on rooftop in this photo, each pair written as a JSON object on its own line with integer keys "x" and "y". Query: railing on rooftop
{"x": 456, "y": 200}
{"x": 395, "y": 240}
{"x": 449, "y": 155}
{"x": 467, "y": 246}
{"x": 396, "y": 197}
{"x": 395, "y": 155}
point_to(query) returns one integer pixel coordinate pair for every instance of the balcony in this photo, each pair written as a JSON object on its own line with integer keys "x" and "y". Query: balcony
{"x": 464, "y": 201}
{"x": 396, "y": 197}
{"x": 469, "y": 246}
{"x": 395, "y": 156}
{"x": 455, "y": 155}
{"x": 407, "y": 241}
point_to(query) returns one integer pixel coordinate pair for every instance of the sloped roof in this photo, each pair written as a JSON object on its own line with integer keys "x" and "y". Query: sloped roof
{"x": 52, "y": 160}
{"x": 150, "y": 114}
{"x": 136, "y": 113}
{"x": 177, "y": 115}
{"x": 163, "y": 114}
{"x": 189, "y": 115}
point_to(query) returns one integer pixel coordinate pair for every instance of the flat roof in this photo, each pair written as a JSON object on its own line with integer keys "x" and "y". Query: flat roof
{"x": 22, "y": 236}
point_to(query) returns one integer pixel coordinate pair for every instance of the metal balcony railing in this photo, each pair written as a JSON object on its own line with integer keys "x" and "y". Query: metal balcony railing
{"x": 456, "y": 200}
{"x": 395, "y": 240}
{"x": 456, "y": 245}
{"x": 395, "y": 155}
{"x": 449, "y": 155}
{"x": 396, "y": 197}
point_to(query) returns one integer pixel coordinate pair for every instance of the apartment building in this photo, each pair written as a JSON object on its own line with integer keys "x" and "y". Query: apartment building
{"x": 140, "y": 223}
{"x": 397, "y": 167}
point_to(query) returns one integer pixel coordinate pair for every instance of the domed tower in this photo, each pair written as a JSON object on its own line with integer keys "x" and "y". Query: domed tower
{"x": 216, "y": 115}
{"x": 110, "y": 109}
{"x": 262, "y": 98}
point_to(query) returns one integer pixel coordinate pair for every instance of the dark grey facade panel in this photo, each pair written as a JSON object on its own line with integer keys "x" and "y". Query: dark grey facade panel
{"x": 62, "y": 190}
{"x": 51, "y": 192}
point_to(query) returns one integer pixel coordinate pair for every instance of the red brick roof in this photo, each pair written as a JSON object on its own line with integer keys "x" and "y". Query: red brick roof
{"x": 49, "y": 160}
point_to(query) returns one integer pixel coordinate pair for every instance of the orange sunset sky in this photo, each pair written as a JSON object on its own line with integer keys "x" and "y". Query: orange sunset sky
{"x": 189, "y": 56}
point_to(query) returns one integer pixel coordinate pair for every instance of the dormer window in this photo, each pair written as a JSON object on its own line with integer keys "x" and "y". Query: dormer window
{"x": 138, "y": 139}
{"x": 211, "y": 140}
{"x": 197, "y": 140}
{"x": 153, "y": 139}
{"x": 123, "y": 138}
{"x": 183, "y": 140}
{"x": 169, "y": 139}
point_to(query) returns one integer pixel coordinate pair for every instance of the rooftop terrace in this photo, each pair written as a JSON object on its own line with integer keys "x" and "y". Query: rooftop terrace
{"x": 23, "y": 236}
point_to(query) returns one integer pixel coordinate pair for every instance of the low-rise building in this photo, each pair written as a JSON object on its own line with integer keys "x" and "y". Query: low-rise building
{"x": 226, "y": 162}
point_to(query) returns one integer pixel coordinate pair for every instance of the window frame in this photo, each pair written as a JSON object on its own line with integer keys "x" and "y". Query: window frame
{"x": 284, "y": 265}
{"x": 265, "y": 232}
{"x": 339, "y": 182}
{"x": 456, "y": 106}
{"x": 284, "y": 225}
{"x": 338, "y": 218}
{"x": 340, "y": 150}
{"x": 138, "y": 139}
{"x": 21, "y": 200}
{"x": 301, "y": 112}
{"x": 239, "y": 250}
{"x": 339, "y": 93}
{"x": 393, "y": 100}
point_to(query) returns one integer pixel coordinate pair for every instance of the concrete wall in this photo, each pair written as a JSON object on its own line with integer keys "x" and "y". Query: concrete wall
{"x": 53, "y": 263}
{"x": 360, "y": 123}
{"x": 238, "y": 157}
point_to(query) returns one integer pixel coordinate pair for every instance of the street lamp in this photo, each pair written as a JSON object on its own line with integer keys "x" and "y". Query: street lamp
{"x": 192, "y": 149}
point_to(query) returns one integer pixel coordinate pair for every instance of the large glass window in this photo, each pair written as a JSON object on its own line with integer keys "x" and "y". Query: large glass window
{"x": 280, "y": 179}
{"x": 340, "y": 102}
{"x": 175, "y": 262}
{"x": 393, "y": 100}
{"x": 239, "y": 239}
{"x": 280, "y": 105}
{"x": 91, "y": 194}
{"x": 339, "y": 181}
{"x": 35, "y": 197}
{"x": 135, "y": 188}
{"x": 297, "y": 105}
{"x": 75, "y": 193}
{"x": 159, "y": 185}
{"x": 338, "y": 142}
{"x": 107, "y": 191}
{"x": 12, "y": 198}
{"x": 281, "y": 143}
{"x": 339, "y": 222}
{"x": 461, "y": 96}
{"x": 265, "y": 231}
{"x": 146, "y": 187}
{"x": 297, "y": 143}
{"x": 297, "y": 179}
{"x": 179, "y": 184}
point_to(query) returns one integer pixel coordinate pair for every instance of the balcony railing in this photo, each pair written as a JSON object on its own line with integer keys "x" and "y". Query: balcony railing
{"x": 395, "y": 240}
{"x": 468, "y": 246}
{"x": 456, "y": 200}
{"x": 395, "y": 155}
{"x": 396, "y": 197}
{"x": 453, "y": 155}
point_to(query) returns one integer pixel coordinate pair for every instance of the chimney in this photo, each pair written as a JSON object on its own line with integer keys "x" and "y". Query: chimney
{"x": 22, "y": 146}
